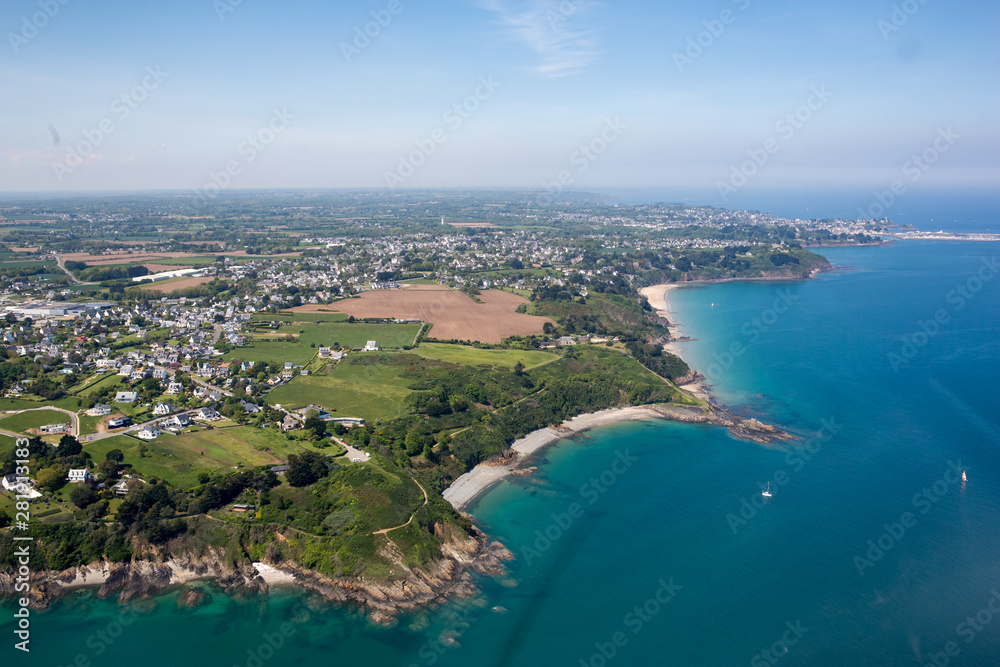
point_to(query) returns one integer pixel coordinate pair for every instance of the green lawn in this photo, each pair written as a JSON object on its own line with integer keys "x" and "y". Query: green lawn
{"x": 368, "y": 391}
{"x": 21, "y": 422}
{"x": 323, "y": 334}
{"x": 471, "y": 356}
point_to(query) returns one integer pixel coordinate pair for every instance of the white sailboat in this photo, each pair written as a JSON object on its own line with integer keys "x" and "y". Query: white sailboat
{"x": 767, "y": 492}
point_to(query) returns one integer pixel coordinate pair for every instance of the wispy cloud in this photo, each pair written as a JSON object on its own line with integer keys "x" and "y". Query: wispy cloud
{"x": 552, "y": 29}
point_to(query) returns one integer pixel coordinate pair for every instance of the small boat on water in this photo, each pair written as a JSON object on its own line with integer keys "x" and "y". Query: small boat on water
{"x": 767, "y": 492}
{"x": 964, "y": 478}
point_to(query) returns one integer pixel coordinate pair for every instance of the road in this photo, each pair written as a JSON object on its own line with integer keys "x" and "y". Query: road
{"x": 72, "y": 278}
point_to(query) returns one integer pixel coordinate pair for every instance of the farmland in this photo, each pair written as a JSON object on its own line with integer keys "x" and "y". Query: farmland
{"x": 370, "y": 391}
{"x": 455, "y": 316}
{"x": 308, "y": 337}
{"x": 471, "y": 356}
{"x": 178, "y": 459}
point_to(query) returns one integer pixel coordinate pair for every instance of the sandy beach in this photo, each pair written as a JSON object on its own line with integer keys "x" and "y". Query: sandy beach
{"x": 658, "y": 296}
{"x": 469, "y": 486}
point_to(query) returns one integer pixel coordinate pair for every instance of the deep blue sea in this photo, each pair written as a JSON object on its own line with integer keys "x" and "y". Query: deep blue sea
{"x": 649, "y": 543}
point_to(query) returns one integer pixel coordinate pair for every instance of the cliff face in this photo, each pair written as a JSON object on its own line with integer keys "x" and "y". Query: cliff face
{"x": 448, "y": 576}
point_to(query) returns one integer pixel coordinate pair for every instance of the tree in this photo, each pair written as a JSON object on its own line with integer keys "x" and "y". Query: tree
{"x": 108, "y": 468}
{"x": 316, "y": 425}
{"x": 115, "y": 455}
{"x": 82, "y": 495}
{"x": 306, "y": 468}
{"x": 69, "y": 446}
{"x": 51, "y": 479}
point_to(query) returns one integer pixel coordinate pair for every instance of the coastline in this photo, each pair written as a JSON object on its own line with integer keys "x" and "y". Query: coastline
{"x": 659, "y": 301}
{"x": 471, "y": 485}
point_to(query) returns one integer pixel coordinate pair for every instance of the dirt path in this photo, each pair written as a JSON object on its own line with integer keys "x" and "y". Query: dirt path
{"x": 386, "y": 530}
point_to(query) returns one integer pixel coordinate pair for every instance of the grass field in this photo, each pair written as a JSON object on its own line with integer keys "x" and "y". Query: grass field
{"x": 68, "y": 403}
{"x": 88, "y": 424}
{"x": 367, "y": 391}
{"x": 471, "y": 356}
{"x": 6, "y": 443}
{"x": 179, "y": 459}
{"x": 111, "y": 380}
{"x": 323, "y": 334}
{"x": 20, "y": 423}
{"x": 300, "y": 316}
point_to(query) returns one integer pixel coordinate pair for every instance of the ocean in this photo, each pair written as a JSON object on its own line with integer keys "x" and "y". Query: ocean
{"x": 649, "y": 543}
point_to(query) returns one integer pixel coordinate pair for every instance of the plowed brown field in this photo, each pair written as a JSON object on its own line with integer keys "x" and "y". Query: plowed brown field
{"x": 453, "y": 314}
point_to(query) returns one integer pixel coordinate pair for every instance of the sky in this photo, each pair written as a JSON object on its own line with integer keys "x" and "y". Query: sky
{"x": 547, "y": 95}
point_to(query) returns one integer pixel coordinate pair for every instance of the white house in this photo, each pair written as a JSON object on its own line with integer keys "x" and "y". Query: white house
{"x": 54, "y": 428}
{"x": 161, "y": 409}
{"x": 126, "y": 397}
{"x": 148, "y": 433}
{"x": 79, "y": 475}
{"x": 208, "y": 414}
{"x": 11, "y": 484}
{"x": 176, "y": 422}
{"x": 99, "y": 411}
{"x": 174, "y": 388}
{"x": 371, "y": 346}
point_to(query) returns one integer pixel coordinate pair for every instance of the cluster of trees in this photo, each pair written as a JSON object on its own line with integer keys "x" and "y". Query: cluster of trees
{"x": 113, "y": 272}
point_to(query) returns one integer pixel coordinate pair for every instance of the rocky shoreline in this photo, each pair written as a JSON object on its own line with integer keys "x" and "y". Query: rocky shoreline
{"x": 383, "y": 599}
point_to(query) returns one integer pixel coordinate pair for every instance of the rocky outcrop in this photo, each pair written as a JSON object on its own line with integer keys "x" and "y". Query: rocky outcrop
{"x": 408, "y": 588}
{"x": 411, "y": 587}
{"x": 747, "y": 429}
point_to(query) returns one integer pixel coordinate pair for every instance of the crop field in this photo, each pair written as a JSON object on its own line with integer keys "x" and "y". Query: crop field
{"x": 471, "y": 356}
{"x": 310, "y": 313}
{"x": 322, "y": 334}
{"x": 454, "y": 315}
{"x": 175, "y": 284}
{"x": 369, "y": 391}
{"x": 21, "y": 422}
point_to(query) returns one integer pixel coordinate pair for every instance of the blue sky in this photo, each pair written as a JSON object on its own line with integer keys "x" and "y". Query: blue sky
{"x": 560, "y": 73}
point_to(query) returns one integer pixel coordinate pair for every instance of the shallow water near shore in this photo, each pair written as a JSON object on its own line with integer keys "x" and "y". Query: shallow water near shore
{"x": 648, "y": 543}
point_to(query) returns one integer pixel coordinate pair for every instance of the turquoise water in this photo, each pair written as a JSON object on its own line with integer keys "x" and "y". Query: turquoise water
{"x": 649, "y": 543}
